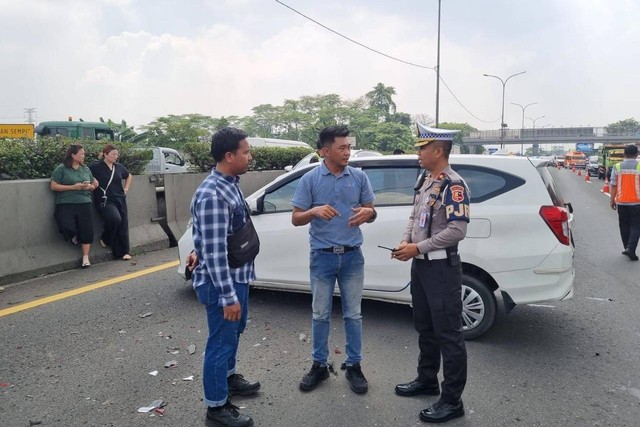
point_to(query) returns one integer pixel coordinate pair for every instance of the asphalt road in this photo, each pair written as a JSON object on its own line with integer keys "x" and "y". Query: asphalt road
{"x": 85, "y": 359}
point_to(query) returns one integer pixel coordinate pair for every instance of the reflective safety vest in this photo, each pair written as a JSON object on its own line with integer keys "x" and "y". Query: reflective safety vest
{"x": 628, "y": 185}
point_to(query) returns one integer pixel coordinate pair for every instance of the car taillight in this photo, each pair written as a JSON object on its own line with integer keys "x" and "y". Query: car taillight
{"x": 557, "y": 219}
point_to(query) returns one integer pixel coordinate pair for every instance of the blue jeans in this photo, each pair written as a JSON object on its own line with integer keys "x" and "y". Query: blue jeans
{"x": 222, "y": 344}
{"x": 348, "y": 270}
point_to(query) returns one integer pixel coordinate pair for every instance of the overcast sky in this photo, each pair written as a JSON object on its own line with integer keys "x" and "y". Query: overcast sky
{"x": 142, "y": 59}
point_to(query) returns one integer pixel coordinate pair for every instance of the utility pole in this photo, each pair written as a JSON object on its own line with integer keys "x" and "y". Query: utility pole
{"x": 30, "y": 113}
{"x": 438, "y": 70}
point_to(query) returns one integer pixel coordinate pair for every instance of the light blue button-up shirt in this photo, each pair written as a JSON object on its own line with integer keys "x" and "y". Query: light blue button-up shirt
{"x": 345, "y": 191}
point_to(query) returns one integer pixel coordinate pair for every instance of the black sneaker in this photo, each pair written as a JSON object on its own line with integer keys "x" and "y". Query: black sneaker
{"x": 227, "y": 415}
{"x": 316, "y": 375}
{"x": 238, "y": 386}
{"x": 355, "y": 376}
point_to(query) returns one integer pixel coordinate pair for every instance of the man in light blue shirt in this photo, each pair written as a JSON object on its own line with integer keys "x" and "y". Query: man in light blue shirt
{"x": 335, "y": 199}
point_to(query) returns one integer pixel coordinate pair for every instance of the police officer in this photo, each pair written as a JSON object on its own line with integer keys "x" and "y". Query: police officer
{"x": 437, "y": 223}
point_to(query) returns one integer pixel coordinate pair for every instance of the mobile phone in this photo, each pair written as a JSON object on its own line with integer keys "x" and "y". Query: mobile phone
{"x": 389, "y": 249}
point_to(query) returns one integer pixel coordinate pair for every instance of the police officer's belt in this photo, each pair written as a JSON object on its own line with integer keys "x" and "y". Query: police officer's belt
{"x": 339, "y": 249}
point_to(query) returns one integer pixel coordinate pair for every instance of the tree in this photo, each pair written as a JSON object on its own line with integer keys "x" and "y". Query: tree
{"x": 121, "y": 131}
{"x": 381, "y": 99}
{"x": 623, "y": 127}
{"x": 175, "y": 131}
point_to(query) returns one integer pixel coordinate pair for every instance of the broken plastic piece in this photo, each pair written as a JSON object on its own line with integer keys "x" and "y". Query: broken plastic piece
{"x": 154, "y": 373}
{"x": 171, "y": 364}
{"x": 302, "y": 337}
{"x": 191, "y": 348}
{"x": 147, "y": 314}
{"x": 189, "y": 378}
{"x": 153, "y": 405}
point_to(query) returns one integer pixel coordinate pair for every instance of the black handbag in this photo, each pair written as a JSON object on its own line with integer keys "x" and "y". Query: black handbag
{"x": 243, "y": 246}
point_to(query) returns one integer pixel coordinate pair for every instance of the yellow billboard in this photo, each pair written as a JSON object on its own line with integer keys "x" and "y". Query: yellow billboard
{"x": 16, "y": 131}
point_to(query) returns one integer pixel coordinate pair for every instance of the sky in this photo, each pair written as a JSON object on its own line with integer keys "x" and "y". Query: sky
{"x": 142, "y": 59}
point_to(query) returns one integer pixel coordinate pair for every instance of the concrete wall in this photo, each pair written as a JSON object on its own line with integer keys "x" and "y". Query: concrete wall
{"x": 179, "y": 189}
{"x": 30, "y": 244}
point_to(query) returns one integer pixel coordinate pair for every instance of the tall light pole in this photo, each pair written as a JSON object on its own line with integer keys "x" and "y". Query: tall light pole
{"x": 535, "y": 144}
{"x": 504, "y": 83}
{"x": 438, "y": 71}
{"x": 522, "y": 127}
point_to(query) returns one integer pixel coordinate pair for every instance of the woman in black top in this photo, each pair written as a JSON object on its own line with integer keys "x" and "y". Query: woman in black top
{"x": 111, "y": 201}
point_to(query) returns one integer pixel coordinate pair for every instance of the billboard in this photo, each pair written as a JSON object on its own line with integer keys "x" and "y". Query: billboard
{"x": 16, "y": 131}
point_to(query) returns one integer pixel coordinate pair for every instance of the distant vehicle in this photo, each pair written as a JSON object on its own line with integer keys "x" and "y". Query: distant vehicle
{"x": 575, "y": 158}
{"x": 609, "y": 155}
{"x": 593, "y": 166}
{"x": 559, "y": 160}
{"x": 273, "y": 142}
{"x": 75, "y": 129}
{"x": 166, "y": 160}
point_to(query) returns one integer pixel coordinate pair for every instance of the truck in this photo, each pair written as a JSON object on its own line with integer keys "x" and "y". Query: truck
{"x": 75, "y": 129}
{"x": 166, "y": 160}
{"x": 575, "y": 158}
{"x": 608, "y": 156}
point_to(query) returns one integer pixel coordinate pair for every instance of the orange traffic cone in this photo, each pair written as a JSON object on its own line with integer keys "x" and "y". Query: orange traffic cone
{"x": 605, "y": 187}
{"x": 587, "y": 178}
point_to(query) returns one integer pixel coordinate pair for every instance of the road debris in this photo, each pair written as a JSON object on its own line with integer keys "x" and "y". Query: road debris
{"x": 34, "y": 423}
{"x": 171, "y": 364}
{"x": 189, "y": 378}
{"x": 257, "y": 345}
{"x": 336, "y": 350}
{"x": 302, "y": 337}
{"x": 600, "y": 299}
{"x": 541, "y": 305}
{"x": 1, "y": 289}
{"x": 159, "y": 411}
{"x": 191, "y": 349}
{"x": 147, "y": 314}
{"x": 154, "y": 373}
{"x": 153, "y": 405}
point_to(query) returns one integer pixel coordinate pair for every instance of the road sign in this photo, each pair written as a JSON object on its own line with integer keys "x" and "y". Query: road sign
{"x": 16, "y": 131}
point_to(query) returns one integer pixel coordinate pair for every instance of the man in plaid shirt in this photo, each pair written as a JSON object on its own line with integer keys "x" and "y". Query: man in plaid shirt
{"x": 218, "y": 209}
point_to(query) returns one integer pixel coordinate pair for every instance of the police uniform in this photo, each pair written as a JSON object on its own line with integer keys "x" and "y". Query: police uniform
{"x": 437, "y": 223}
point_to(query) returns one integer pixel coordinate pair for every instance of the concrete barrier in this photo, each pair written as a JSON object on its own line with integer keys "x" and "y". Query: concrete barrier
{"x": 30, "y": 244}
{"x": 179, "y": 189}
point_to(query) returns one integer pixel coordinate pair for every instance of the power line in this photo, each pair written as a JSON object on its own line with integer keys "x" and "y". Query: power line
{"x": 388, "y": 56}
{"x": 462, "y": 105}
{"x": 354, "y": 41}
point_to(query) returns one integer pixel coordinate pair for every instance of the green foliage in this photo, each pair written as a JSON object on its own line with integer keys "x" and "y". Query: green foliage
{"x": 623, "y": 127}
{"x": 174, "y": 131}
{"x": 264, "y": 158}
{"x": 29, "y": 159}
{"x": 381, "y": 99}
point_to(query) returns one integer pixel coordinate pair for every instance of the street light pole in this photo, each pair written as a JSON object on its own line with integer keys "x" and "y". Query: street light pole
{"x": 438, "y": 71}
{"x": 504, "y": 83}
{"x": 535, "y": 144}
{"x": 522, "y": 128}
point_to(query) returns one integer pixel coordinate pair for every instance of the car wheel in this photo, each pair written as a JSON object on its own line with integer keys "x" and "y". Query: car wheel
{"x": 478, "y": 307}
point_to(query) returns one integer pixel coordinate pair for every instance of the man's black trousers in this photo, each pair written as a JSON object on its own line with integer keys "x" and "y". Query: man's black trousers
{"x": 437, "y": 316}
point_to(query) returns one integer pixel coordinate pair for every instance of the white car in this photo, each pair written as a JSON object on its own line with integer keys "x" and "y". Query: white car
{"x": 354, "y": 154}
{"x": 518, "y": 240}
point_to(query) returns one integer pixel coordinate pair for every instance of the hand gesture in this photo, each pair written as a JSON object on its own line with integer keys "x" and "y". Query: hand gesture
{"x": 405, "y": 251}
{"x": 326, "y": 212}
{"x": 361, "y": 216}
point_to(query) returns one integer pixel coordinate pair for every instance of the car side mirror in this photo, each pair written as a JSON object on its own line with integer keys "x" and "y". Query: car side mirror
{"x": 288, "y": 168}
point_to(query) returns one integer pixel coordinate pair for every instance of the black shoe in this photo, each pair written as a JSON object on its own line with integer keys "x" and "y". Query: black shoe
{"x": 633, "y": 257}
{"x": 227, "y": 415}
{"x": 625, "y": 252}
{"x": 238, "y": 386}
{"x": 355, "y": 376}
{"x": 417, "y": 387}
{"x": 442, "y": 411}
{"x": 316, "y": 375}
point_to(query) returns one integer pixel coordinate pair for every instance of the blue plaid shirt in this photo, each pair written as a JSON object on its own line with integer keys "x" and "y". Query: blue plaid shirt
{"x": 218, "y": 209}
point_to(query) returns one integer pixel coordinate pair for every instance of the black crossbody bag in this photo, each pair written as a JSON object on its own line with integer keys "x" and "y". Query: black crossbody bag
{"x": 243, "y": 246}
